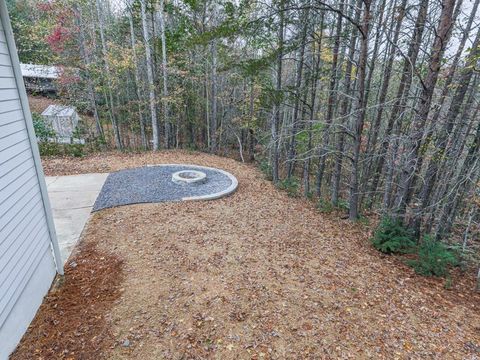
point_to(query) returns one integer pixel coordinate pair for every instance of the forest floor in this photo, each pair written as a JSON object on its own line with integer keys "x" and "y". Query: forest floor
{"x": 256, "y": 275}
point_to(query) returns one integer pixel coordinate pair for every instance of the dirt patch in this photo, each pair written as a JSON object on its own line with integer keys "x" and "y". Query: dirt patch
{"x": 72, "y": 321}
{"x": 39, "y": 103}
{"x": 260, "y": 275}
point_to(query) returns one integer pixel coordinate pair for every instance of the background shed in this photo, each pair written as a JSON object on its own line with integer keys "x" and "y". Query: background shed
{"x": 62, "y": 119}
{"x": 40, "y": 78}
{"x": 29, "y": 253}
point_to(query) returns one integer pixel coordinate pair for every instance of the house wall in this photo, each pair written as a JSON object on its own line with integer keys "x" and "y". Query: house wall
{"x": 28, "y": 246}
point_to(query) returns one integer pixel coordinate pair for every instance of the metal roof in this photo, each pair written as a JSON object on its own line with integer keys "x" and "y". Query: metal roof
{"x": 59, "y": 110}
{"x": 40, "y": 71}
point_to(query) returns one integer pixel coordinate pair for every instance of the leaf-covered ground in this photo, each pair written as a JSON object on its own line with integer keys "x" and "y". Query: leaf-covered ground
{"x": 258, "y": 275}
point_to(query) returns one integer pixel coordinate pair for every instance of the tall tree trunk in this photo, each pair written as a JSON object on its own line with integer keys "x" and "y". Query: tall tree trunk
{"x": 378, "y": 37}
{"x": 331, "y": 101}
{"x": 337, "y": 172}
{"x": 166, "y": 121}
{"x": 360, "y": 110}
{"x": 314, "y": 80}
{"x": 442, "y": 138}
{"x": 213, "y": 120}
{"x": 372, "y": 139}
{"x": 87, "y": 61}
{"x": 137, "y": 83}
{"x": 251, "y": 132}
{"x": 101, "y": 25}
{"x": 426, "y": 138}
{"x": 456, "y": 60}
{"x": 151, "y": 82}
{"x": 277, "y": 113}
{"x": 298, "y": 92}
{"x": 464, "y": 183}
{"x": 419, "y": 119}
{"x": 401, "y": 99}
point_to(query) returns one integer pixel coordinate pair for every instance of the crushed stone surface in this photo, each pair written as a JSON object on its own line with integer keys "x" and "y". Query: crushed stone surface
{"x": 153, "y": 184}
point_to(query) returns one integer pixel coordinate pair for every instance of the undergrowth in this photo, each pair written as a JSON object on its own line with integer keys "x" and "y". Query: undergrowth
{"x": 325, "y": 206}
{"x": 57, "y": 149}
{"x": 432, "y": 257}
{"x": 391, "y": 237}
{"x": 266, "y": 168}
{"x": 291, "y": 186}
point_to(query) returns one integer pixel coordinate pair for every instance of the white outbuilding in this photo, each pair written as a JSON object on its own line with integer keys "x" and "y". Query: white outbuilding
{"x": 40, "y": 78}
{"x": 29, "y": 252}
{"x": 62, "y": 119}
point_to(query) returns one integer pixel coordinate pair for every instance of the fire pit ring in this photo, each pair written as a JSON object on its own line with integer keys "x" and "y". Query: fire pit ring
{"x": 187, "y": 177}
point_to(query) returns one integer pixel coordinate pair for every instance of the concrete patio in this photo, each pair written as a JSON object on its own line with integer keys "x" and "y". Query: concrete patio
{"x": 72, "y": 198}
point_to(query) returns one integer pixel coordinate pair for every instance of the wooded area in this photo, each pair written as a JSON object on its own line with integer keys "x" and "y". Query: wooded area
{"x": 363, "y": 104}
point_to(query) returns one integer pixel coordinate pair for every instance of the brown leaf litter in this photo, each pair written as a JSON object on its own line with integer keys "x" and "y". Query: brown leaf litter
{"x": 71, "y": 323}
{"x": 257, "y": 275}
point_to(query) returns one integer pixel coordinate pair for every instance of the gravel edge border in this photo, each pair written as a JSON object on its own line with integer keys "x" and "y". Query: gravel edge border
{"x": 228, "y": 191}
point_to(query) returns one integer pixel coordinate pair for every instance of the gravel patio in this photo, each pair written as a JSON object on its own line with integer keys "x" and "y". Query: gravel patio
{"x": 257, "y": 275}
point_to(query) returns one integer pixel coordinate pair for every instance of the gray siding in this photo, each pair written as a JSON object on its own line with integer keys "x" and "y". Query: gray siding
{"x": 26, "y": 260}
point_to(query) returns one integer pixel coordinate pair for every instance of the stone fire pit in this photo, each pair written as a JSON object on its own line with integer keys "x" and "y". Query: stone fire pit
{"x": 187, "y": 177}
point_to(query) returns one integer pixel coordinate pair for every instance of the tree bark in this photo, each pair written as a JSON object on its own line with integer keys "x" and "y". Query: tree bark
{"x": 166, "y": 121}
{"x": 151, "y": 82}
{"x": 360, "y": 110}
{"x": 372, "y": 143}
{"x": 298, "y": 92}
{"x": 116, "y": 131}
{"x": 137, "y": 83}
{"x": 330, "y": 102}
{"x": 87, "y": 61}
{"x": 337, "y": 173}
{"x": 251, "y": 132}
{"x": 400, "y": 100}
{"x": 277, "y": 113}
{"x": 314, "y": 83}
{"x": 419, "y": 119}
{"x": 213, "y": 120}
{"x": 442, "y": 138}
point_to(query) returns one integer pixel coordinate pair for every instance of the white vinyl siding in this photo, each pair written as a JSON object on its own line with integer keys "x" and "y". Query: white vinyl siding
{"x": 27, "y": 264}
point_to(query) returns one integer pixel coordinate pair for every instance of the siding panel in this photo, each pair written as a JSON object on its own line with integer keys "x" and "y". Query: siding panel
{"x": 20, "y": 208}
{"x": 7, "y": 83}
{"x": 6, "y": 71}
{"x": 14, "y": 161}
{"x": 13, "y": 139}
{"x": 10, "y": 105}
{"x": 12, "y": 229}
{"x": 13, "y": 151}
{"x": 3, "y": 48}
{"x": 14, "y": 254}
{"x": 7, "y": 179}
{"x": 4, "y": 59}
{"x": 8, "y": 94}
{"x": 27, "y": 265}
{"x": 15, "y": 246}
{"x": 10, "y": 194}
{"x": 8, "y": 117}
{"x": 11, "y": 128}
